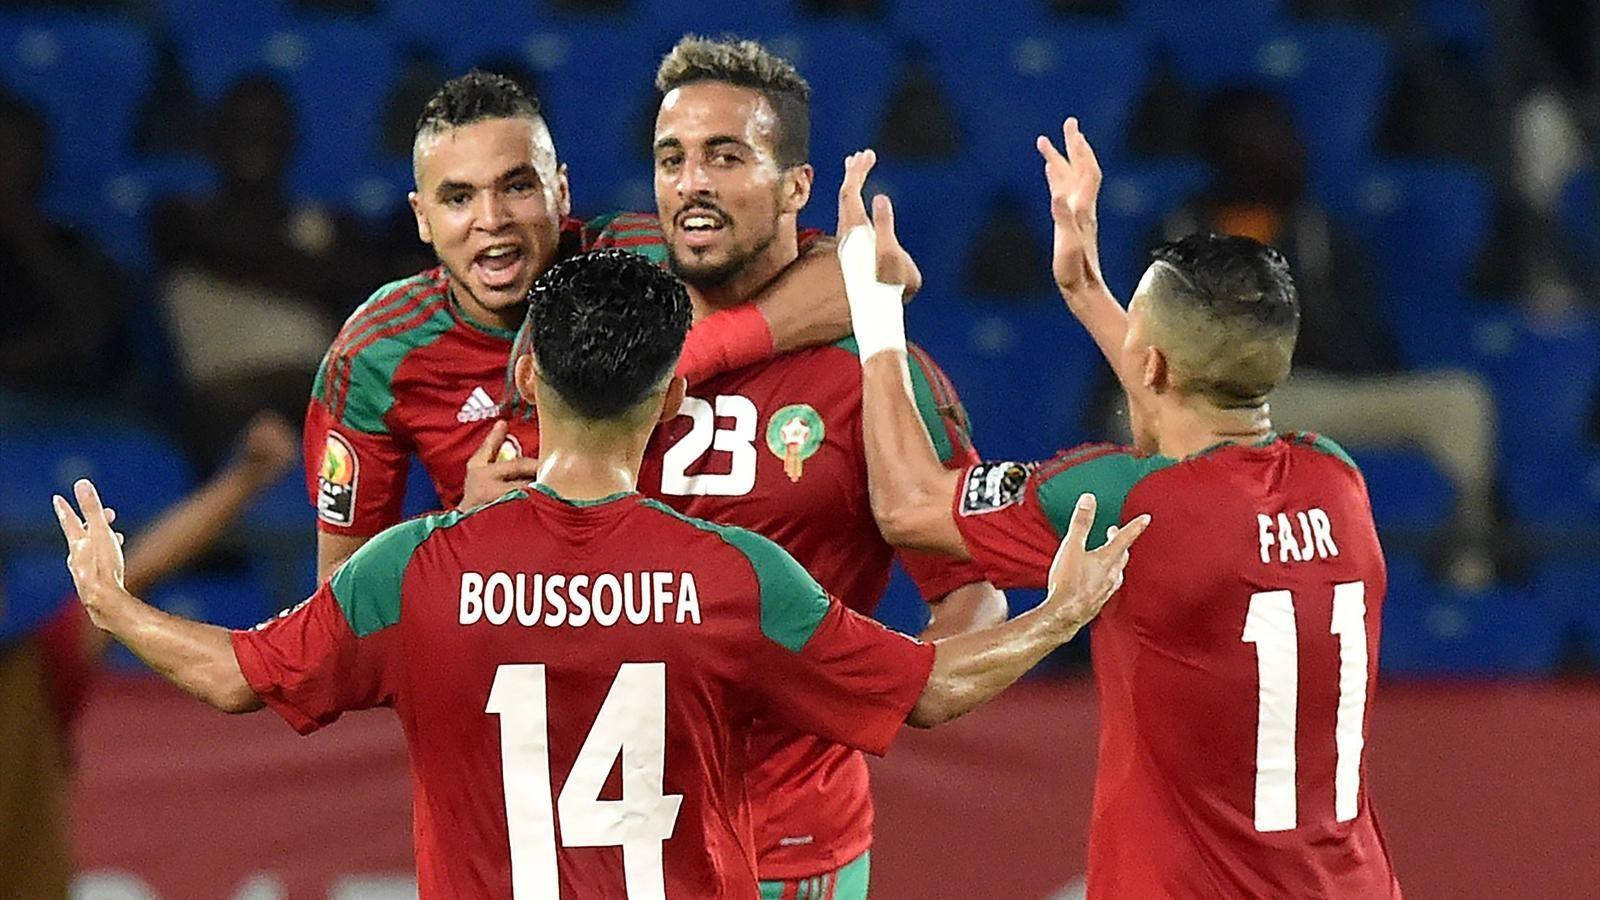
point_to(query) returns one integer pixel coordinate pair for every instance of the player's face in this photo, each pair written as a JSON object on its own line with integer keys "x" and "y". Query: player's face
{"x": 720, "y": 192}
{"x": 490, "y": 198}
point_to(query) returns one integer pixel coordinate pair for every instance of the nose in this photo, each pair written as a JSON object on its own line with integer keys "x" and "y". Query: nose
{"x": 491, "y": 211}
{"x": 693, "y": 179}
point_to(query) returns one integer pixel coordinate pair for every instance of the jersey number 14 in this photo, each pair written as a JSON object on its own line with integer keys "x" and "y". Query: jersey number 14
{"x": 632, "y": 722}
{"x": 1269, "y": 625}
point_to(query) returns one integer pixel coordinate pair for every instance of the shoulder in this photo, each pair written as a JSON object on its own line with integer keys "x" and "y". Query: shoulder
{"x": 636, "y": 232}
{"x": 367, "y": 586}
{"x": 792, "y": 602}
{"x": 1322, "y": 444}
{"x": 940, "y": 406}
{"x": 354, "y": 378}
{"x": 1109, "y": 471}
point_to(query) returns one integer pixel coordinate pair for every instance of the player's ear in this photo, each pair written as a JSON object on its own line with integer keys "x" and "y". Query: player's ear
{"x": 797, "y": 187}
{"x": 423, "y": 231}
{"x": 1157, "y": 375}
{"x": 677, "y": 387}
{"x": 563, "y": 192}
{"x": 526, "y": 375}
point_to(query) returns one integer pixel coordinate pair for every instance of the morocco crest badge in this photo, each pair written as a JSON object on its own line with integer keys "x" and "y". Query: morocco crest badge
{"x": 793, "y": 435}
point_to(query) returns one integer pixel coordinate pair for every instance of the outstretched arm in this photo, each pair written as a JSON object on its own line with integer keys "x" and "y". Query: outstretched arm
{"x": 911, "y": 491}
{"x": 1074, "y": 180}
{"x": 969, "y": 669}
{"x": 196, "y": 657}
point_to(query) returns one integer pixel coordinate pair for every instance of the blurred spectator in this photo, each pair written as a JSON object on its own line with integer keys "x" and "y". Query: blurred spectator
{"x": 1163, "y": 123}
{"x": 865, "y": 9}
{"x": 419, "y": 79}
{"x": 45, "y": 677}
{"x": 170, "y": 119}
{"x": 1086, "y": 7}
{"x": 1347, "y": 377}
{"x": 1008, "y": 258}
{"x": 61, "y": 299}
{"x": 1437, "y": 108}
{"x": 918, "y": 123}
{"x": 253, "y": 283}
{"x": 588, "y": 8}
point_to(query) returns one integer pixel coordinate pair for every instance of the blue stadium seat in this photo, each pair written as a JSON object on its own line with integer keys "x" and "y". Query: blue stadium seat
{"x": 1458, "y": 24}
{"x": 139, "y": 472}
{"x": 337, "y": 75}
{"x": 1134, "y": 198}
{"x": 1407, "y": 491}
{"x": 851, "y": 71}
{"x": 33, "y": 583}
{"x": 1019, "y": 85}
{"x": 118, "y": 215}
{"x": 938, "y": 211}
{"x": 1570, "y": 588}
{"x": 1210, "y": 44}
{"x": 1580, "y": 214}
{"x": 745, "y": 18}
{"x": 949, "y": 24}
{"x": 1544, "y": 385}
{"x": 1424, "y": 224}
{"x": 87, "y": 75}
{"x": 1429, "y": 630}
{"x": 1337, "y": 80}
{"x": 230, "y": 600}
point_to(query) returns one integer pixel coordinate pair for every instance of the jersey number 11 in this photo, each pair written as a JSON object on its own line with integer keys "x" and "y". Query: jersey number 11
{"x": 632, "y": 722}
{"x": 1270, "y": 626}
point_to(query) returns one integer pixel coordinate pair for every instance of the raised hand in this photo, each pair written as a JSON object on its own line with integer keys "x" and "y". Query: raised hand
{"x": 1081, "y": 581}
{"x": 94, "y": 551}
{"x": 1074, "y": 179}
{"x": 491, "y": 474}
{"x": 894, "y": 264}
{"x": 269, "y": 446}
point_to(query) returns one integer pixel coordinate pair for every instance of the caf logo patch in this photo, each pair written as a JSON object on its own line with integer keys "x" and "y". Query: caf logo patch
{"x": 336, "y": 481}
{"x": 793, "y": 435}
{"x": 991, "y": 486}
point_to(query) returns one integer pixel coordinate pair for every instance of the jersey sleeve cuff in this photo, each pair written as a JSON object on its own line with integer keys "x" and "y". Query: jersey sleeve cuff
{"x": 256, "y": 674}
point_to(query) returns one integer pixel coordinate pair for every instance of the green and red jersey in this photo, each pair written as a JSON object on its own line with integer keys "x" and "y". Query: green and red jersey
{"x": 530, "y": 644}
{"x": 776, "y": 447}
{"x": 411, "y": 374}
{"x": 1236, "y": 666}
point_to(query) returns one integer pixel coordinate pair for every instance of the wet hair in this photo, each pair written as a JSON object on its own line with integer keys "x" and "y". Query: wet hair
{"x": 606, "y": 327}
{"x": 1226, "y": 314}
{"x": 747, "y": 64}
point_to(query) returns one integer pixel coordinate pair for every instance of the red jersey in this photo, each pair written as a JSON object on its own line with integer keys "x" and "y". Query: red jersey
{"x": 1235, "y": 667}
{"x": 528, "y": 645}
{"x": 411, "y": 374}
{"x": 776, "y": 448}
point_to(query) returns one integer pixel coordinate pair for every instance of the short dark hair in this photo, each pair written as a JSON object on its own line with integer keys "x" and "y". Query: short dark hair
{"x": 474, "y": 97}
{"x": 606, "y": 327}
{"x": 747, "y": 64}
{"x": 1228, "y": 315}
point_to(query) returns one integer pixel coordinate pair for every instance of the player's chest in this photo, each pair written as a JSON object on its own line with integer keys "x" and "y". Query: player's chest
{"x": 777, "y": 451}
{"x": 446, "y": 403}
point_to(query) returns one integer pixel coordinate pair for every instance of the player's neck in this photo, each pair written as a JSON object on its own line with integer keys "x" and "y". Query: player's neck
{"x": 749, "y": 281}
{"x": 508, "y": 319}
{"x": 580, "y": 461}
{"x": 1190, "y": 426}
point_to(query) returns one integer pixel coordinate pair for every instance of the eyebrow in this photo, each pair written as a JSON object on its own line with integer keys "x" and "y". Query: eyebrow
{"x": 672, "y": 143}
{"x": 446, "y": 187}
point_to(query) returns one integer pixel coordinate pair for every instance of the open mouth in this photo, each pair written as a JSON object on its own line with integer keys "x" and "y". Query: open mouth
{"x": 499, "y": 267}
{"x": 701, "y": 227}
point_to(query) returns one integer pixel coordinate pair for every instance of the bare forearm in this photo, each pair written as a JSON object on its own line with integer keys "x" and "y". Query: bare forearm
{"x": 969, "y": 608}
{"x": 805, "y": 306}
{"x": 186, "y": 529}
{"x": 911, "y": 491}
{"x": 192, "y": 655}
{"x": 969, "y": 669}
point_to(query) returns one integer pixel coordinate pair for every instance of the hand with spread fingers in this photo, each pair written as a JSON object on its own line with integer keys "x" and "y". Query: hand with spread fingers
{"x": 1073, "y": 174}
{"x": 1081, "y": 581}
{"x": 94, "y": 551}
{"x": 489, "y": 476}
{"x": 874, "y": 265}
{"x": 894, "y": 265}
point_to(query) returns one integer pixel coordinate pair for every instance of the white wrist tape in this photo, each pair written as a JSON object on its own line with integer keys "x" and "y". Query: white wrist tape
{"x": 877, "y": 310}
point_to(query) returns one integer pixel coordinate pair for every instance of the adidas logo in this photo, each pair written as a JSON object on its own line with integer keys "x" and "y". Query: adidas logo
{"x": 479, "y": 406}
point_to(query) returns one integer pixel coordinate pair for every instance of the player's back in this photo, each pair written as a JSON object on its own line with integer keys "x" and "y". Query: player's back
{"x": 1236, "y": 674}
{"x": 543, "y": 638}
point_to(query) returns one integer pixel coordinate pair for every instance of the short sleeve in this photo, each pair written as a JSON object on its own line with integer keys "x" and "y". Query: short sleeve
{"x": 821, "y": 668}
{"x": 1012, "y": 515}
{"x": 946, "y": 420}
{"x": 309, "y": 666}
{"x": 356, "y": 480}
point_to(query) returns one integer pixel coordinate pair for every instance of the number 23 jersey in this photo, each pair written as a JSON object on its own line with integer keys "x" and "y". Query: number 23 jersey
{"x": 1235, "y": 666}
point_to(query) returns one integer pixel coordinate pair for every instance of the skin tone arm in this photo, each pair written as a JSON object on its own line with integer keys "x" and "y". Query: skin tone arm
{"x": 1074, "y": 181}
{"x": 969, "y": 669}
{"x": 196, "y": 657}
